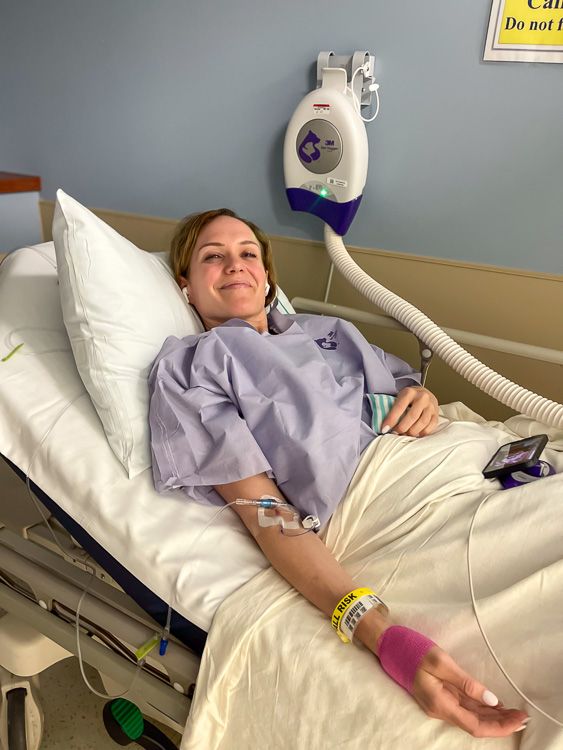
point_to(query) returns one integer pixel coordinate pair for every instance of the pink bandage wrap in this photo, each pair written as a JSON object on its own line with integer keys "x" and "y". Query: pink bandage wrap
{"x": 400, "y": 652}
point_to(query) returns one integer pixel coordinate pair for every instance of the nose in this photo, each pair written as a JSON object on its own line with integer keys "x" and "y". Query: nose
{"x": 233, "y": 265}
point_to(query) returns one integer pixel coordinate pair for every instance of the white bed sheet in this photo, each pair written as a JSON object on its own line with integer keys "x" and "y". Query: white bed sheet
{"x": 151, "y": 534}
{"x": 274, "y": 674}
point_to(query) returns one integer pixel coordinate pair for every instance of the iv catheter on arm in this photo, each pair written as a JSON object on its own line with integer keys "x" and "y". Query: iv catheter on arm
{"x": 303, "y": 560}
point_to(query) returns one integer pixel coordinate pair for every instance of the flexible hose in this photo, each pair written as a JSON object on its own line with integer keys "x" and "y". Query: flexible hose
{"x": 460, "y": 360}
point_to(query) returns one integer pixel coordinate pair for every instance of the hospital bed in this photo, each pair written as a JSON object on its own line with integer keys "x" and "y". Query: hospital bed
{"x": 39, "y": 585}
{"x": 102, "y": 521}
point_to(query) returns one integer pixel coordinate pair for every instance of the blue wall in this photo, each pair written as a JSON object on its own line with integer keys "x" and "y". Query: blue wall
{"x": 167, "y": 106}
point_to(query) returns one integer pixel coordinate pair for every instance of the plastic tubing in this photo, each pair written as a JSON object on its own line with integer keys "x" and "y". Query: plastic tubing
{"x": 495, "y": 385}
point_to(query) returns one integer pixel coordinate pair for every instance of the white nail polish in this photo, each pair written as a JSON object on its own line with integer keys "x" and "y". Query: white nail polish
{"x": 490, "y": 698}
{"x": 385, "y": 430}
{"x": 521, "y": 728}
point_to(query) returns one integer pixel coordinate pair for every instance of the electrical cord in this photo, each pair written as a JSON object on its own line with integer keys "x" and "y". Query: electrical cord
{"x": 373, "y": 87}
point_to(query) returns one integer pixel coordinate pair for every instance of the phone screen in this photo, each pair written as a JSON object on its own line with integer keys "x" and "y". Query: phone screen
{"x": 513, "y": 455}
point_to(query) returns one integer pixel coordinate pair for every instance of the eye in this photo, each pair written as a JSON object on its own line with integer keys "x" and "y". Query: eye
{"x": 211, "y": 256}
{"x": 250, "y": 254}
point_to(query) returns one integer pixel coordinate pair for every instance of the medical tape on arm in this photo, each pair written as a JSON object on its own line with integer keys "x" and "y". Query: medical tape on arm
{"x": 275, "y": 518}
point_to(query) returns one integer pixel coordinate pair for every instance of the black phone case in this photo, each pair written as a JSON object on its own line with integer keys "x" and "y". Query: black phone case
{"x": 504, "y": 470}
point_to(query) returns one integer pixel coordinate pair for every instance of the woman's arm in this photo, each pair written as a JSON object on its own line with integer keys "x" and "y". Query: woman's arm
{"x": 441, "y": 688}
{"x": 303, "y": 560}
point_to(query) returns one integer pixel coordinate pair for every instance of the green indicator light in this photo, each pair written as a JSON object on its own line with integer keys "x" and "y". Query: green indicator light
{"x": 324, "y": 192}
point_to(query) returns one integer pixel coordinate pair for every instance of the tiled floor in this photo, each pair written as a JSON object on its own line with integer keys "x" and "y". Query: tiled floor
{"x": 73, "y": 715}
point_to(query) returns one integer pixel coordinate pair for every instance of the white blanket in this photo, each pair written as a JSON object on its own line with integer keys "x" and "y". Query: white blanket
{"x": 274, "y": 675}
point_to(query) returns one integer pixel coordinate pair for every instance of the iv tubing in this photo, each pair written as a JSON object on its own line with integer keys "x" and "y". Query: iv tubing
{"x": 460, "y": 360}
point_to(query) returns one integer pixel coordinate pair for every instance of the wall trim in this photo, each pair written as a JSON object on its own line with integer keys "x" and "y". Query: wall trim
{"x": 504, "y": 303}
{"x": 47, "y": 209}
{"x": 399, "y": 255}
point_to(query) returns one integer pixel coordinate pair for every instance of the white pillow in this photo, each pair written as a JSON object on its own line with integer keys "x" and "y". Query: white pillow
{"x": 283, "y": 304}
{"x": 119, "y": 303}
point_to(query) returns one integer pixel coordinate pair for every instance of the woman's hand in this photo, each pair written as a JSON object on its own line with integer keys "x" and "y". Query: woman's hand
{"x": 444, "y": 691}
{"x": 414, "y": 413}
{"x": 440, "y": 687}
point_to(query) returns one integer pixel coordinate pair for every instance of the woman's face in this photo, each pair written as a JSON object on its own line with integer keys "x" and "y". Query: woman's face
{"x": 226, "y": 278}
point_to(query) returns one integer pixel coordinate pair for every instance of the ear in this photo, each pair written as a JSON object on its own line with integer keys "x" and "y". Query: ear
{"x": 183, "y": 282}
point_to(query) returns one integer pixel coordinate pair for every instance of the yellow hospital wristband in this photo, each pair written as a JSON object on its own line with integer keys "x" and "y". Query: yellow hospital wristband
{"x": 342, "y": 606}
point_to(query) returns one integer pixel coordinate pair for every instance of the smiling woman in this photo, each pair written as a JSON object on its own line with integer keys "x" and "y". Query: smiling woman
{"x": 241, "y": 417}
{"x": 224, "y": 264}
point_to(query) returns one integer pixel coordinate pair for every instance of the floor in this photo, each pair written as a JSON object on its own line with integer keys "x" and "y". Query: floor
{"x": 73, "y": 715}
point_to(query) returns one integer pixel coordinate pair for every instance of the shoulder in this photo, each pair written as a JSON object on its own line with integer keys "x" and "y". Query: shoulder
{"x": 174, "y": 352}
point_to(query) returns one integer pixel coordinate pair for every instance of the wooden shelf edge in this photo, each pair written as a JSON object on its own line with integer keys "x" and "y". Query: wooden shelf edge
{"x": 12, "y": 182}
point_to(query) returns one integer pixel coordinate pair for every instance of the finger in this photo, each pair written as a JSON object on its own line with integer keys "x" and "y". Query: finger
{"x": 447, "y": 669}
{"x": 430, "y": 427}
{"x": 397, "y": 410}
{"x": 419, "y": 426}
{"x": 444, "y": 705}
{"x": 443, "y": 666}
{"x": 408, "y": 423}
{"x": 500, "y": 724}
{"x": 411, "y": 416}
{"x": 483, "y": 711}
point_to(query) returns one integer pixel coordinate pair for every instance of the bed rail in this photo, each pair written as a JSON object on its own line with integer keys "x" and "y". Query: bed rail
{"x": 541, "y": 353}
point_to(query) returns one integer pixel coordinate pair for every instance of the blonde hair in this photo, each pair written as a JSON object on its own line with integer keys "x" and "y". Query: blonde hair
{"x": 186, "y": 236}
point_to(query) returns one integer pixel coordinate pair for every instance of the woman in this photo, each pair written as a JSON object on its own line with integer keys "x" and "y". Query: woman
{"x": 244, "y": 387}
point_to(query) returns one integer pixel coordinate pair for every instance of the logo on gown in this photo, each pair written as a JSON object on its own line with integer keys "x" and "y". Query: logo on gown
{"x": 329, "y": 342}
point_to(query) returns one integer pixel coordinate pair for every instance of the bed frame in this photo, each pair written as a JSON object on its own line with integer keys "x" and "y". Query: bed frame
{"x": 39, "y": 593}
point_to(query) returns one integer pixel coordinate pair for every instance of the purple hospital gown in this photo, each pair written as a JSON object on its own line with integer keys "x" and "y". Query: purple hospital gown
{"x": 231, "y": 402}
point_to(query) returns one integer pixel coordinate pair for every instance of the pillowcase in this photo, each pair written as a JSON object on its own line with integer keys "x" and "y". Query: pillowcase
{"x": 282, "y": 302}
{"x": 119, "y": 304}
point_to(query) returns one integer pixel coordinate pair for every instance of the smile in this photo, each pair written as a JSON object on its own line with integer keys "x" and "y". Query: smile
{"x": 236, "y": 285}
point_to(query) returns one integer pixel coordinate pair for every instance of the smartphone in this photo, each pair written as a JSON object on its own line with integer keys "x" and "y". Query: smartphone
{"x": 515, "y": 456}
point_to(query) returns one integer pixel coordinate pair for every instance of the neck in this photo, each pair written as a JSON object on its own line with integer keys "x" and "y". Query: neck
{"x": 258, "y": 321}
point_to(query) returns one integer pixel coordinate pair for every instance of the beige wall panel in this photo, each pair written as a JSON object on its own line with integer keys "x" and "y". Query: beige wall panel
{"x": 147, "y": 232}
{"x": 302, "y": 267}
{"x": 504, "y": 303}
{"x": 498, "y": 302}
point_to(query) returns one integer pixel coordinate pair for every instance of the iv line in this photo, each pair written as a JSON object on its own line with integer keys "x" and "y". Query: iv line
{"x": 272, "y": 503}
{"x": 474, "y": 604}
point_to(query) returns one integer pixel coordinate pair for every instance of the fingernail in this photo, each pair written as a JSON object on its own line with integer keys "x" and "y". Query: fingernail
{"x": 490, "y": 698}
{"x": 521, "y": 728}
{"x": 385, "y": 430}
{"x": 525, "y": 721}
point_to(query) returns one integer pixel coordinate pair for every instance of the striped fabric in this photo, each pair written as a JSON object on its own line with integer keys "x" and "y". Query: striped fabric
{"x": 380, "y": 404}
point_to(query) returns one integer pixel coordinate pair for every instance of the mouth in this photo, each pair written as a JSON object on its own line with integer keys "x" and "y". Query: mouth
{"x": 237, "y": 285}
